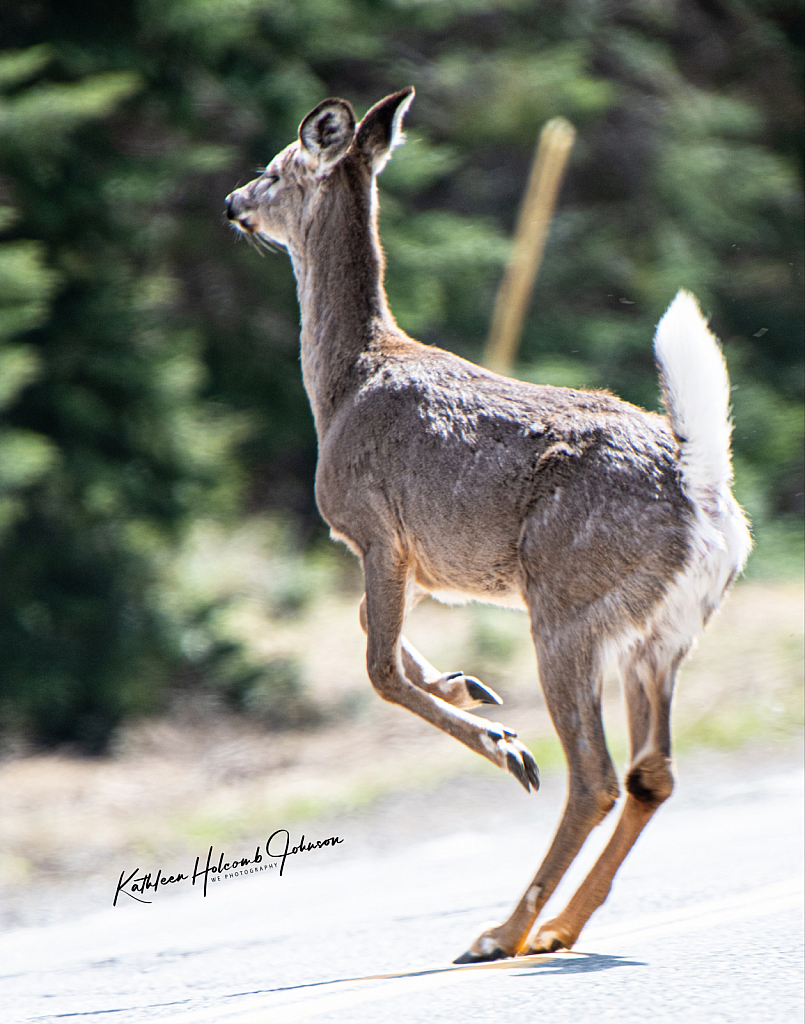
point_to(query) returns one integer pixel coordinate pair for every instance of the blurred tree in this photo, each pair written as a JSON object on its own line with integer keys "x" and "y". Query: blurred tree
{"x": 105, "y": 447}
{"x": 148, "y": 364}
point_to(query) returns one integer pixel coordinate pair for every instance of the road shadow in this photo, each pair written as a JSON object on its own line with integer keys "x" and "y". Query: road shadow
{"x": 563, "y": 962}
{"x": 581, "y": 963}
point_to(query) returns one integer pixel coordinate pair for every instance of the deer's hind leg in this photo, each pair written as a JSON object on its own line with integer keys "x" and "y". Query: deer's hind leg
{"x": 570, "y": 673}
{"x": 456, "y": 688}
{"x": 648, "y": 680}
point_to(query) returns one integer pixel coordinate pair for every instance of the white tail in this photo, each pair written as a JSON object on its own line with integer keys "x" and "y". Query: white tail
{"x": 696, "y": 391}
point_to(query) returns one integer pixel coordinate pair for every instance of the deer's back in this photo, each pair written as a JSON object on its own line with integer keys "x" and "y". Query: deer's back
{"x": 463, "y": 469}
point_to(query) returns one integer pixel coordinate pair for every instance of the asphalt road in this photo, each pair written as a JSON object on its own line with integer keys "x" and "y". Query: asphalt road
{"x": 704, "y": 923}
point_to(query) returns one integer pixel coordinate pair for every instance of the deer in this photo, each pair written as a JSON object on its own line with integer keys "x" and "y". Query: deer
{"x": 614, "y": 528}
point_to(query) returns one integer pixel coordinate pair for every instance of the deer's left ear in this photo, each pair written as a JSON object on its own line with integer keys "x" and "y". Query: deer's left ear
{"x": 327, "y": 133}
{"x": 381, "y": 130}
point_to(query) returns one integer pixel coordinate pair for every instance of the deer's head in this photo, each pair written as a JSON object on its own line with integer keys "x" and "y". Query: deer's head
{"x": 278, "y": 207}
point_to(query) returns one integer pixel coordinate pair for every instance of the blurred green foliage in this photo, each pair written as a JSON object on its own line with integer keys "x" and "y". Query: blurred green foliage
{"x": 148, "y": 365}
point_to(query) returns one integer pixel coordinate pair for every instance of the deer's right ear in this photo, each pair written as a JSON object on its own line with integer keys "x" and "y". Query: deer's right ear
{"x": 327, "y": 133}
{"x": 381, "y": 130}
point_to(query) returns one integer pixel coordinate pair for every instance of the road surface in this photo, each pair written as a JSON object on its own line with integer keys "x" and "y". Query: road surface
{"x": 704, "y": 923}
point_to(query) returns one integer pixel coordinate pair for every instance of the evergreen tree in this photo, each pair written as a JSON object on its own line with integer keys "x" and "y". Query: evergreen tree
{"x": 105, "y": 448}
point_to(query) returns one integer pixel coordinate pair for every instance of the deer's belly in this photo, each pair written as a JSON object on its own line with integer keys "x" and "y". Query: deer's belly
{"x": 505, "y": 599}
{"x": 459, "y": 574}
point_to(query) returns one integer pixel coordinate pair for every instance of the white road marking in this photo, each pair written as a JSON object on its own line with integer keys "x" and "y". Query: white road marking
{"x": 304, "y": 1003}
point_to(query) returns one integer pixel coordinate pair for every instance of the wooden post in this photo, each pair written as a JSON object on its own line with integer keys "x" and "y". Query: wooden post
{"x": 533, "y": 224}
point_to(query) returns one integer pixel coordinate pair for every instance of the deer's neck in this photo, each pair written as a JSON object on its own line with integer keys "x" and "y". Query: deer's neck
{"x": 339, "y": 277}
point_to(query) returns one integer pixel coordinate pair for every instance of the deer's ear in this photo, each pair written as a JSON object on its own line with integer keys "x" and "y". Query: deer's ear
{"x": 327, "y": 133}
{"x": 381, "y": 130}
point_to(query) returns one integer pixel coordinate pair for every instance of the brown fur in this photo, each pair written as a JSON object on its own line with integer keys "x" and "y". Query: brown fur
{"x": 444, "y": 477}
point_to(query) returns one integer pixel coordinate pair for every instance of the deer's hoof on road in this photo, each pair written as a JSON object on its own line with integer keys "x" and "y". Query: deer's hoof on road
{"x": 550, "y": 938}
{"x": 485, "y": 948}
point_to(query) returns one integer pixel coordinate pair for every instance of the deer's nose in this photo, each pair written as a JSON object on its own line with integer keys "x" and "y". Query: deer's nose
{"x": 239, "y": 208}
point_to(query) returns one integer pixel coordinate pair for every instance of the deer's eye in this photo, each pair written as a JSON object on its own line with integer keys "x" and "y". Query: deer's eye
{"x": 271, "y": 180}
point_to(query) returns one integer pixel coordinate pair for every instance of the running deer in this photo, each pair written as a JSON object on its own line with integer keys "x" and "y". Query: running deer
{"x": 613, "y": 527}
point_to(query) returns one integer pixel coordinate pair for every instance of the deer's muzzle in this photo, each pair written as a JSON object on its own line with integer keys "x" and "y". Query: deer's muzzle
{"x": 237, "y": 211}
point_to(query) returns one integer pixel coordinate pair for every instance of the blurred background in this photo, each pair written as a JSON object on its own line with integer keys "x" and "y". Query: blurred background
{"x": 161, "y": 557}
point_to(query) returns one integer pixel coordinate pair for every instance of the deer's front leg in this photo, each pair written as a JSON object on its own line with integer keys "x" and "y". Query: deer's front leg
{"x": 385, "y": 575}
{"x": 458, "y": 689}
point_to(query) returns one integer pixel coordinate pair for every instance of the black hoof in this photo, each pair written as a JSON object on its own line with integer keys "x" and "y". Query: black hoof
{"x": 531, "y": 769}
{"x": 498, "y": 733}
{"x": 554, "y": 947}
{"x": 480, "y": 958}
{"x": 517, "y": 770}
{"x": 477, "y": 690}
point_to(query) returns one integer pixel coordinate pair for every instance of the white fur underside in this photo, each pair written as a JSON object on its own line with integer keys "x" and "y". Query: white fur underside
{"x": 508, "y": 599}
{"x": 719, "y": 546}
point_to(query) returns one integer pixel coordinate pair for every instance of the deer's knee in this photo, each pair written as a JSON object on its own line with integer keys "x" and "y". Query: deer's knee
{"x": 385, "y": 679}
{"x": 606, "y": 798}
{"x": 594, "y": 797}
{"x": 649, "y": 779}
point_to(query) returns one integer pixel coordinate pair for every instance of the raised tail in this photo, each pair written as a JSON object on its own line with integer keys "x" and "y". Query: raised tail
{"x": 696, "y": 390}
